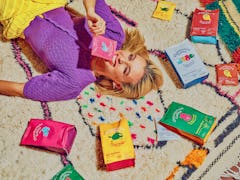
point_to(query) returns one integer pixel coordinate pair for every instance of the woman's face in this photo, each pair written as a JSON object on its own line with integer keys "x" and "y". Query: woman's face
{"x": 125, "y": 67}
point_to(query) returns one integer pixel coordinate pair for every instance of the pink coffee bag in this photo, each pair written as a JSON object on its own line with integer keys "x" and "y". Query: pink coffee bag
{"x": 103, "y": 47}
{"x": 48, "y": 134}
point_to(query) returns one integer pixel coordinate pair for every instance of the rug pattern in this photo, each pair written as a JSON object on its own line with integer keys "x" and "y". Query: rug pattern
{"x": 229, "y": 23}
{"x": 145, "y": 112}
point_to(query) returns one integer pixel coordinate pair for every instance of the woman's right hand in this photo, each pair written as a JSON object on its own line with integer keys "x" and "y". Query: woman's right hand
{"x": 96, "y": 23}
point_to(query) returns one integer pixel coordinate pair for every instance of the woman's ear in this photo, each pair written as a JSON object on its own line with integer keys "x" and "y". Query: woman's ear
{"x": 117, "y": 86}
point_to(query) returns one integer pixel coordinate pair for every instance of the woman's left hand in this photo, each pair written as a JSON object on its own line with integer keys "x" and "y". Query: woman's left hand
{"x": 96, "y": 24}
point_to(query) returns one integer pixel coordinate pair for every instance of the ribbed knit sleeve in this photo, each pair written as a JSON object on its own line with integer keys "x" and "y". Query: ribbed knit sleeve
{"x": 53, "y": 38}
{"x": 56, "y": 86}
{"x": 63, "y": 44}
{"x": 113, "y": 28}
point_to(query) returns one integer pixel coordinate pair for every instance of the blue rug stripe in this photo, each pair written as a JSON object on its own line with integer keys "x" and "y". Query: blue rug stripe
{"x": 227, "y": 131}
{"x": 226, "y": 149}
{"x": 229, "y": 113}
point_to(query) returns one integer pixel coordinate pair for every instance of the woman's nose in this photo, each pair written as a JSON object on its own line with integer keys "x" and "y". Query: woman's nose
{"x": 121, "y": 60}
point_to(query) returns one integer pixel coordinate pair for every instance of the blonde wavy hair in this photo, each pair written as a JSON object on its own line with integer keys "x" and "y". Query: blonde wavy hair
{"x": 151, "y": 80}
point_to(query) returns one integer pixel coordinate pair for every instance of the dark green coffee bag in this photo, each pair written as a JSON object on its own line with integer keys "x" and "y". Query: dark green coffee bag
{"x": 68, "y": 173}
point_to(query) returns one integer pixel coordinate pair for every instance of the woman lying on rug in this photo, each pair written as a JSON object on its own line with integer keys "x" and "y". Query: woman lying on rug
{"x": 63, "y": 43}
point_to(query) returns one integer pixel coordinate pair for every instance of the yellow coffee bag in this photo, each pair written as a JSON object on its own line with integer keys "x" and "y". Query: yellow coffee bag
{"x": 164, "y": 10}
{"x": 117, "y": 145}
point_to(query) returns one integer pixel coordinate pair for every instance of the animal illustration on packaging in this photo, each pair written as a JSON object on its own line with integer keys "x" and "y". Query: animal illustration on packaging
{"x": 103, "y": 47}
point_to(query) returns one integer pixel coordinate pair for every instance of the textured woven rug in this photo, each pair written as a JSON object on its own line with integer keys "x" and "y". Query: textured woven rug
{"x": 156, "y": 157}
{"x": 229, "y": 24}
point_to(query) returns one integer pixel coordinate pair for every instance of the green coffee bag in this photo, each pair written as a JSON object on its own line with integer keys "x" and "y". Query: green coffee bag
{"x": 68, "y": 173}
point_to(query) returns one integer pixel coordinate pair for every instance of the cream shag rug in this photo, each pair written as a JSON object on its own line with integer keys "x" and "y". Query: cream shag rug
{"x": 154, "y": 159}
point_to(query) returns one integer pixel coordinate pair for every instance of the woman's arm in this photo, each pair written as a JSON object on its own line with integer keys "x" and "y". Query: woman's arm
{"x": 10, "y": 88}
{"x": 89, "y": 5}
{"x": 96, "y": 23}
{"x": 113, "y": 28}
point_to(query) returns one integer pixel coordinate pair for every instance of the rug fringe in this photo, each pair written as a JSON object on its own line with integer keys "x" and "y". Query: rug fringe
{"x": 171, "y": 176}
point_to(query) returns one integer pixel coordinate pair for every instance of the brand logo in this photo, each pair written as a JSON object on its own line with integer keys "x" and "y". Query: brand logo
{"x": 45, "y": 131}
{"x": 178, "y": 114}
{"x": 116, "y": 136}
{"x": 185, "y": 117}
{"x": 190, "y": 119}
{"x": 185, "y": 58}
{"x": 104, "y": 47}
{"x": 65, "y": 175}
{"x": 227, "y": 73}
{"x": 39, "y": 129}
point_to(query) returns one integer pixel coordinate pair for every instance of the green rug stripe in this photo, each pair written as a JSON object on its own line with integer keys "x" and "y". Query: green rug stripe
{"x": 237, "y": 4}
{"x": 213, "y": 5}
{"x": 225, "y": 30}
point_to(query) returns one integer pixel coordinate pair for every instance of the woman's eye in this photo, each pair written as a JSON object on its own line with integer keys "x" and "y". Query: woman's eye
{"x": 131, "y": 57}
{"x": 125, "y": 70}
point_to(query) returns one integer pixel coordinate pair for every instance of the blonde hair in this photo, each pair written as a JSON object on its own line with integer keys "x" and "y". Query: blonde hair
{"x": 152, "y": 78}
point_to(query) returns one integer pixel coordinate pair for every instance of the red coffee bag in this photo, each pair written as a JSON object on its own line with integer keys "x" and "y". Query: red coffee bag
{"x": 204, "y": 22}
{"x": 227, "y": 74}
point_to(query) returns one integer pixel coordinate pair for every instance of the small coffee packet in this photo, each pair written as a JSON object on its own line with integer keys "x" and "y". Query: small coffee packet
{"x": 227, "y": 74}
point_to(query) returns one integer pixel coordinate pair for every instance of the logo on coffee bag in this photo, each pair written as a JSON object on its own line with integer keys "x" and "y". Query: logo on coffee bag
{"x": 39, "y": 129}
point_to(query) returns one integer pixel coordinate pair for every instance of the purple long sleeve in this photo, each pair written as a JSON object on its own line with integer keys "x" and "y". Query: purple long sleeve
{"x": 63, "y": 44}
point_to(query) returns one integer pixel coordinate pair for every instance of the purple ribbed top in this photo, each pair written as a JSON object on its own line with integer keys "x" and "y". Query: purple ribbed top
{"x": 64, "y": 43}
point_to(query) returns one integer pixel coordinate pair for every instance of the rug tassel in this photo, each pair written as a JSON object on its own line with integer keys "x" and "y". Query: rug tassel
{"x": 171, "y": 176}
{"x": 195, "y": 158}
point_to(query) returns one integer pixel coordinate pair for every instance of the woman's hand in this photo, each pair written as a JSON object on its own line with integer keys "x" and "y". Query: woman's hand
{"x": 96, "y": 24}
